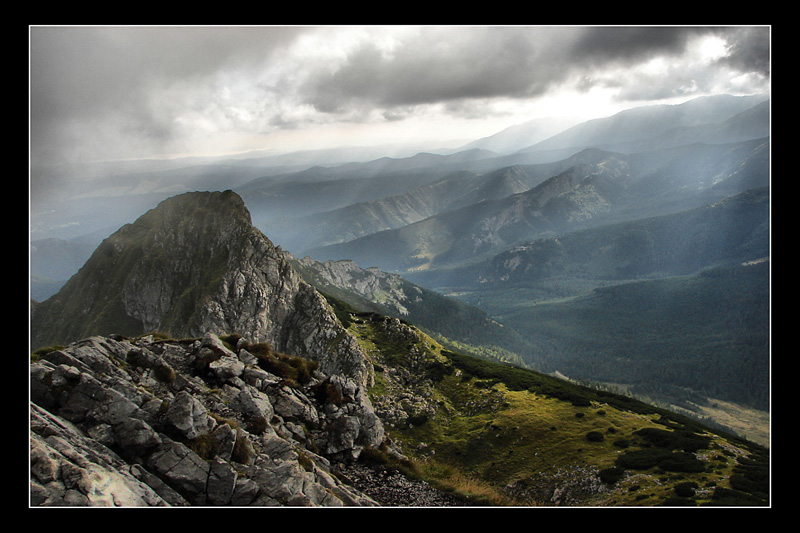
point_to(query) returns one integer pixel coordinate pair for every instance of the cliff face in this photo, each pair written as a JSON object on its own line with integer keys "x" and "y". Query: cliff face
{"x": 145, "y": 422}
{"x": 196, "y": 265}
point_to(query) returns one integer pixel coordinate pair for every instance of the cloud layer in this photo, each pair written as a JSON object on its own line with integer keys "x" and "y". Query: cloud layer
{"x": 110, "y": 92}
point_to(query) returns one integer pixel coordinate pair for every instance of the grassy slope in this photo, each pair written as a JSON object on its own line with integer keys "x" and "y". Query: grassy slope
{"x": 507, "y": 436}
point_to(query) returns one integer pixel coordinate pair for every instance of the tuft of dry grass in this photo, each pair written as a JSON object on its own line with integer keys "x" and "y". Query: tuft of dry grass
{"x": 468, "y": 487}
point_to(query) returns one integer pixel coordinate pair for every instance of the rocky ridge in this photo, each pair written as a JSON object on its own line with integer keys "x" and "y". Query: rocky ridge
{"x": 195, "y": 265}
{"x": 389, "y": 290}
{"x": 149, "y": 422}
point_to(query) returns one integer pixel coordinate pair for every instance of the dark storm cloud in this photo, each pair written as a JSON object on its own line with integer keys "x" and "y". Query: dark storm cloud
{"x": 439, "y": 65}
{"x": 447, "y": 65}
{"x": 681, "y": 72}
{"x": 749, "y": 49}
{"x": 627, "y": 44}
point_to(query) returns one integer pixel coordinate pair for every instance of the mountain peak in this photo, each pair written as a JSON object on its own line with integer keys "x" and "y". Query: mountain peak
{"x": 205, "y": 210}
{"x": 194, "y": 265}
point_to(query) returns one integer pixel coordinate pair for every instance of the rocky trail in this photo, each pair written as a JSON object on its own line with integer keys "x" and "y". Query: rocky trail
{"x": 391, "y": 488}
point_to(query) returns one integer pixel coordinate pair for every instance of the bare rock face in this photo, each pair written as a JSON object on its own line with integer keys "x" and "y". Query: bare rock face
{"x": 145, "y": 422}
{"x": 391, "y": 290}
{"x": 195, "y": 265}
{"x": 120, "y": 418}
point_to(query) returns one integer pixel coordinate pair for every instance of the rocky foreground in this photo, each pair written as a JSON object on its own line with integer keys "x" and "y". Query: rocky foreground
{"x": 145, "y": 422}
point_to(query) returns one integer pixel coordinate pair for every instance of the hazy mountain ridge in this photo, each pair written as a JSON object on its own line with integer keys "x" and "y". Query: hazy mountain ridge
{"x": 391, "y": 212}
{"x": 53, "y": 262}
{"x": 266, "y": 204}
{"x": 751, "y": 123}
{"x": 468, "y": 231}
{"x": 614, "y": 187}
{"x": 698, "y": 120}
{"x": 451, "y": 192}
{"x": 732, "y": 231}
{"x": 292, "y": 209}
{"x": 89, "y": 219}
{"x": 522, "y": 136}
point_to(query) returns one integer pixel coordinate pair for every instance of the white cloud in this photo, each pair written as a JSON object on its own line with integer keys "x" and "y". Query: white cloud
{"x": 135, "y": 92}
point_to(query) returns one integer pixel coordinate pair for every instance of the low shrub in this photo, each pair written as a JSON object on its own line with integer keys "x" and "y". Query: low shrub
{"x": 611, "y": 475}
{"x": 243, "y": 451}
{"x": 731, "y": 497}
{"x": 594, "y": 436}
{"x": 328, "y": 393}
{"x": 674, "y": 440}
{"x": 676, "y": 501}
{"x": 259, "y": 349}
{"x": 231, "y": 340}
{"x": 752, "y": 475}
{"x": 305, "y": 461}
{"x": 38, "y": 354}
{"x": 204, "y": 446}
{"x": 750, "y": 482}
{"x": 666, "y": 460}
{"x": 642, "y": 459}
{"x": 685, "y": 489}
{"x": 380, "y": 456}
{"x": 164, "y": 373}
{"x": 682, "y": 462}
{"x": 437, "y": 371}
{"x": 292, "y": 368}
{"x": 417, "y": 420}
{"x": 256, "y": 425}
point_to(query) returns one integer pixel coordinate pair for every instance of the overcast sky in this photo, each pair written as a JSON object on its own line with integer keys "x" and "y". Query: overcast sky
{"x": 132, "y": 92}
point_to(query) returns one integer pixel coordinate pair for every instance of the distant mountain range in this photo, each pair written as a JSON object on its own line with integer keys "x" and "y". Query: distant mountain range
{"x": 720, "y": 119}
{"x": 730, "y": 232}
{"x": 591, "y": 188}
{"x": 516, "y": 231}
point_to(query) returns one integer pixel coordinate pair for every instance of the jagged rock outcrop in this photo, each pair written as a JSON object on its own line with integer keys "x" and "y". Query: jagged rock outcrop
{"x": 119, "y": 417}
{"x": 147, "y": 422}
{"x": 389, "y": 290}
{"x": 194, "y": 265}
